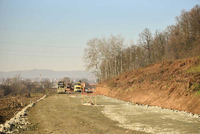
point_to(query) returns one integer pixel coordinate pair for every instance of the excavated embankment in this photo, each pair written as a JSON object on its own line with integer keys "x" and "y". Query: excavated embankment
{"x": 171, "y": 85}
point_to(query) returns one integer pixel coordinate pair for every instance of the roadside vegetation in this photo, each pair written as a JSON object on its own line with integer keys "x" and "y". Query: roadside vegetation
{"x": 172, "y": 85}
{"x": 160, "y": 69}
{"x": 17, "y": 86}
{"x": 16, "y": 93}
{"x": 109, "y": 57}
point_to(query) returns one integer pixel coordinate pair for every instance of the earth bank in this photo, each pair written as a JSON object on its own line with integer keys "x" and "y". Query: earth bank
{"x": 170, "y": 85}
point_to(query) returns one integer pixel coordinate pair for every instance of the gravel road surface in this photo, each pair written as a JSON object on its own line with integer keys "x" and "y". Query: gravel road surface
{"x": 64, "y": 114}
{"x": 150, "y": 119}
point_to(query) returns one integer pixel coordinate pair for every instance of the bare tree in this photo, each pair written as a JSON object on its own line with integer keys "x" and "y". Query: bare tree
{"x": 99, "y": 56}
{"x": 47, "y": 84}
{"x": 92, "y": 57}
{"x": 158, "y": 46}
{"x": 108, "y": 57}
{"x": 145, "y": 39}
{"x": 66, "y": 79}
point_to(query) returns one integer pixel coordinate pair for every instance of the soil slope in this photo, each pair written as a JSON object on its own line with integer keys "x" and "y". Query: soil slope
{"x": 172, "y": 85}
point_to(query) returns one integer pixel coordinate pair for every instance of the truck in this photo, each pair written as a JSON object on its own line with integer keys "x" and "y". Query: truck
{"x": 78, "y": 87}
{"x": 68, "y": 87}
{"x": 61, "y": 87}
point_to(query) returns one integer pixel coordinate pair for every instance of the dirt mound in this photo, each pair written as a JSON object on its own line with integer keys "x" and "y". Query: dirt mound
{"x": 173, "y": 85}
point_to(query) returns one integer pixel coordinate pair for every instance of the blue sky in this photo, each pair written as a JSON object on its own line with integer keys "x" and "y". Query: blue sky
{"x": 52, "y": 34}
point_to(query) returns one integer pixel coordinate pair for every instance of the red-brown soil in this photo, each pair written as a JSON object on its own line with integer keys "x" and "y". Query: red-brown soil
{"x": 10, "y": 105}
{"x": 172, "y": 85}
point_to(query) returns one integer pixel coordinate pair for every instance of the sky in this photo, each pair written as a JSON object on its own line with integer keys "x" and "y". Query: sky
{"x": 52, "y": 34}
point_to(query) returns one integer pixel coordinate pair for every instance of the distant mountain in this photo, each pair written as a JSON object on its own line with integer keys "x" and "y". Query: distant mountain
{"x": 35, "y": 73}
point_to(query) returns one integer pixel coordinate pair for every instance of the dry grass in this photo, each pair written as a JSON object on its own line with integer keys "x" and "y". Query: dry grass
{"x": 10, "y": 105}
{"x": 194, "y": 69}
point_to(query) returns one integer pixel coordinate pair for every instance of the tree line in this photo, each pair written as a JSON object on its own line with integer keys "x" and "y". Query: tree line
{"x": 109, "y": 57}
{"x": 17, "y": 86}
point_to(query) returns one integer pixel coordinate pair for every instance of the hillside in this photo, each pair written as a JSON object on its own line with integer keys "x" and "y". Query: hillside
{"x": 172, "y": 85}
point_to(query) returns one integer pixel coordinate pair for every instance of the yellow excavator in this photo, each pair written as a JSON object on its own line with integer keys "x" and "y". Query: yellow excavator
{"x": 78, "y": 87}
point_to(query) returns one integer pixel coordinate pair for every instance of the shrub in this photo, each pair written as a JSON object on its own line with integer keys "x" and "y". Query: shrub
{"x": 195, "y": 69}
{"x": 112, "y": 84}
{"x": 195, "y": 87}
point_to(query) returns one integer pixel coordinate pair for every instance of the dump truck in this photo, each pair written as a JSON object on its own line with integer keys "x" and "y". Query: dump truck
{"x": 61, "y": 87}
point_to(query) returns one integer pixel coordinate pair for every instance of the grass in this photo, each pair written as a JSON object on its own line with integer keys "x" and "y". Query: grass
{"x": 112, "y": 84}
{"x": 197, "y": 93}
{"x": 36, "y": 94}
{"x": 196, "y": 87}
{"x": 171, "y": 77}
{"x": 130, "y": 89}
{"x": 119, "y": 90}
{"x": 195, "y": 69}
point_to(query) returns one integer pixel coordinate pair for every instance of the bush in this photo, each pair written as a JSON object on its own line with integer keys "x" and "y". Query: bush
{"x": 112, "y": 84}
{"x": 195, "y": 69}
{"x": 7, "y": 90}
{"x": 196, "y": 87}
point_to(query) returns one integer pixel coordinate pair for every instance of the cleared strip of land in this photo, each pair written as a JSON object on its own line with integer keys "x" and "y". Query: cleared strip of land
{"x": 64, "y": 114}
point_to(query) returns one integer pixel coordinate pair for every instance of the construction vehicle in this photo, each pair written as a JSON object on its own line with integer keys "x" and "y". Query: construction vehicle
{"x": 68, "y": 87}
{"x": 61, "y": 87}
{"x": 77, "y": 87}
{"x": 83, "y": 86}
{"x": 87, "y": 90}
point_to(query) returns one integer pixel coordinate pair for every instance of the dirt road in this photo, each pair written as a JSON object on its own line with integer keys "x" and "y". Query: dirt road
{"x": 62, "y": 114}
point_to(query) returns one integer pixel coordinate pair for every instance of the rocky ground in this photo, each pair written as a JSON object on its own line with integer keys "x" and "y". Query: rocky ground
{"x": 66, "y": 114}
{"x": 10, "y": 105}
{"x": 19, "y": 121}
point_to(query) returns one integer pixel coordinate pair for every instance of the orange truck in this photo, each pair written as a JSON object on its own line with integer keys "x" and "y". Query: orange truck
{"x": 68, "y": 87}
{"x": 83, "y": 86}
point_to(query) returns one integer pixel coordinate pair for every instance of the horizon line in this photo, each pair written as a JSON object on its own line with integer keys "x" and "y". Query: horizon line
{"x": 42, "y": 69}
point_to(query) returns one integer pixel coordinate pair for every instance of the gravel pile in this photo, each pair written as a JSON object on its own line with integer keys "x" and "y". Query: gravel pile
{"x": 19, "y": 121}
